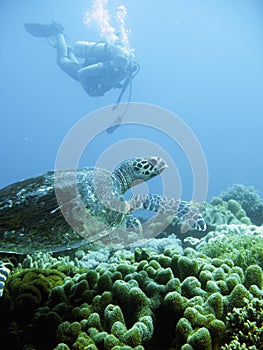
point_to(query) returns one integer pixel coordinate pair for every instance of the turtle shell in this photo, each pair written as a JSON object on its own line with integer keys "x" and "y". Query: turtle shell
{"x": 59, "y": 210}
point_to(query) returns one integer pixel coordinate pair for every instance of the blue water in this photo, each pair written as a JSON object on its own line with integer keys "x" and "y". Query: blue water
{"x": 201, "y": 60}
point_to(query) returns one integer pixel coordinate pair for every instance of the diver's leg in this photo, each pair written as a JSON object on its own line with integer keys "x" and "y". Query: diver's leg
{"x": 62, "y": 47}
{"x": 66, "y": 59}
{"x": 82, "y": 49}
{"x": 89, "y": 49}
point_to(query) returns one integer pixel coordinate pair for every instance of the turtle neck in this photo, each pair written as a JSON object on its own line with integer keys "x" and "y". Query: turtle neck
{"x": 124, "y": 174}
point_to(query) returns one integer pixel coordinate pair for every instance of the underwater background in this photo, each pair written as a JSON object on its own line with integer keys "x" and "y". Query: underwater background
{"x": 201, "y": 289}
{"x": 203, "y": 61}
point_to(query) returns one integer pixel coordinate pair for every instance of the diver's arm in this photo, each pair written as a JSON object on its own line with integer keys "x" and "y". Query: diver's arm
{"x": 89, "y": 78}
{"x": 91, "y": 71}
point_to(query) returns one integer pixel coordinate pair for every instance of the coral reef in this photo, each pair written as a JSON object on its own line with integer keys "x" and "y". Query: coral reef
{"x": 216, "y": 213}
{"x": 220, "y": 211}
{"x": 140, "y": 300}
{"x": 242, "y": 243}
{"x": 249, "y": 200}
{"x": 245, "y": 326}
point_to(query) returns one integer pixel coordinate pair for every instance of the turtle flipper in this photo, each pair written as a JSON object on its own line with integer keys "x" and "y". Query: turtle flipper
{"x": 131, "y": 222}
{"x": 43, "y": 30}
{"x": 190, "y": 216}
{"x": 4, "y": 271}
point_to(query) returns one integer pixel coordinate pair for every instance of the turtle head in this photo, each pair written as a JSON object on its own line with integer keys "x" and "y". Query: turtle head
{"x": 135, "y": 170}
{"x": 144, "y": 168}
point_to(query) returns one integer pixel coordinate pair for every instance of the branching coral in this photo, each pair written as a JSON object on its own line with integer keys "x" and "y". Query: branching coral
{"x": 245, "y": 326}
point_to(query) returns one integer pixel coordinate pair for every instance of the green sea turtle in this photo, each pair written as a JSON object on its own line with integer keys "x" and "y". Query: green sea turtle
{"x": 65, "y": 209}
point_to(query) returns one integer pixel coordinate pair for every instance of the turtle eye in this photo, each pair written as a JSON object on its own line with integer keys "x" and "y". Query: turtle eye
{"x": 153, "y": 161}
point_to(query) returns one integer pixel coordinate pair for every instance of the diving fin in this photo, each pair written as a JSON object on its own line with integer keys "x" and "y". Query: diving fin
{"x": 43, "y": 30}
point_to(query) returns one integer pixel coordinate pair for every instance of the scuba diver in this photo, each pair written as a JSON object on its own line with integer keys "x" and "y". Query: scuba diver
{"x": 97, "y": 66}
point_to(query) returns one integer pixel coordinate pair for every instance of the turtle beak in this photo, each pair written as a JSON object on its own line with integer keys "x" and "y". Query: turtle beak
{"x": 158, "y": 163}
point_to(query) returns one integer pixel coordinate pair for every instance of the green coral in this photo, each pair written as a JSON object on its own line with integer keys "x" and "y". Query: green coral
{"x": 219, "y": 212}
{"x": 238, "y": 296}
{"x": 254, "y": 276}
{"x": 148, "y": 301}
{"x": 249, "y": 200}
{"x": 30, "y": 288}
{"x": 187, "y": 266}
{"x": 242, "y": 244}
{"x": 215, "y": 304}
{"x": 245, "y": 326}
{"x": 201, "y": 339}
